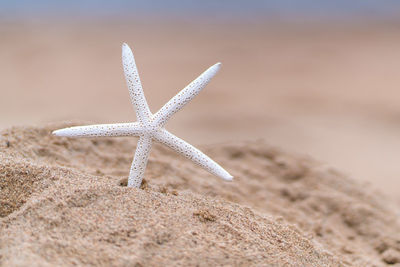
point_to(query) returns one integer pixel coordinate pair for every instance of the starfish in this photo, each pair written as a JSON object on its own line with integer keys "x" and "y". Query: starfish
{"x": 150, "y": 127}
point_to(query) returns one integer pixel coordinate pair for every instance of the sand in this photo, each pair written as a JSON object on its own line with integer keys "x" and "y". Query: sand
{"x": 64, "y": 202}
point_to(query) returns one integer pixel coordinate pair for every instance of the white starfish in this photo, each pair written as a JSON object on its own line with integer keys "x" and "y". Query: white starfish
{"x": 150, "y": 126}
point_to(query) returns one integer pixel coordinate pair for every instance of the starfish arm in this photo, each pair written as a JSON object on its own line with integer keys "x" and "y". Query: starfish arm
{"x": 134, "y": 85}
{"x": 192, "y": 153}
{"x": 118, "y": 129}
{"x": 139, "y": 162}
{"x": 185, "y": 95}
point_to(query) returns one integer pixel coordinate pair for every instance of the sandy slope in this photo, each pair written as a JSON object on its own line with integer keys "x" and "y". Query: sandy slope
{"x": 63, "y": 202}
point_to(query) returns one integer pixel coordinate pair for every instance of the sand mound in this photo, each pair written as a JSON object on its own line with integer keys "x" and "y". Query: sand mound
{"x": 62, "y": 202}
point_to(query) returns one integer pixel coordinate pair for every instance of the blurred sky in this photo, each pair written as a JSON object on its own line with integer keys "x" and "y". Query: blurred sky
{"x": 224, "y": 9}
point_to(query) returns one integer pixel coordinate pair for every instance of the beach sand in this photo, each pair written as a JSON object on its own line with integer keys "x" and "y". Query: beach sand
{"x": 305, "y": 117}
{"x": 65, "y": 202}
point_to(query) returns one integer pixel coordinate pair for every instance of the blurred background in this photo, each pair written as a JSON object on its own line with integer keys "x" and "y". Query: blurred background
{"x": 313, "y": 77}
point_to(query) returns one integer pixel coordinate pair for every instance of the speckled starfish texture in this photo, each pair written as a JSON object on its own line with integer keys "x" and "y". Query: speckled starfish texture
{"x": 150, "y": 127}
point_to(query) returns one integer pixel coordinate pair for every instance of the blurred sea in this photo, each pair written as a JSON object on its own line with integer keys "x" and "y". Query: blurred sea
{"x": 222, "y": 9}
